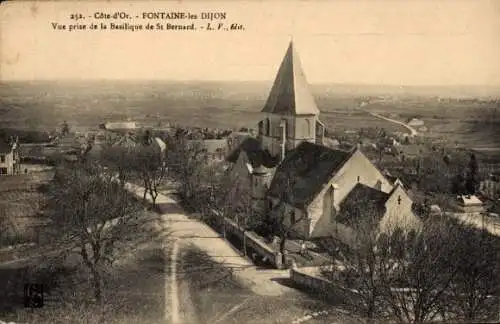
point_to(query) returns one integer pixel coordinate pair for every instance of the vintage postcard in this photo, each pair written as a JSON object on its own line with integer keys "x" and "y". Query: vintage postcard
{"x": 250, "y": 161}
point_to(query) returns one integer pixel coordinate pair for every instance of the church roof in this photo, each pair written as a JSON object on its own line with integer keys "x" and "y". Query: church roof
{"x": 256, "y": 154}
{"x": 290, "y": 94}
{"x": 304, "y": 172}
{"x": 364, "y": 193}
{"x": 361, "y": 202}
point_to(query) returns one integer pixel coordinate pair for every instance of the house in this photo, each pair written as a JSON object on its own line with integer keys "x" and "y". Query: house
{"x": 314, "y": 183}
{"x": 470, "y": 204}
{"x": 214, "y": 149}
{"x": 294, "y": 173}
{"x": 10, "y": 161}
{"x": 490, "y": 187}
{"x": 415, "y": 122}
{"x": 121, "y": 126}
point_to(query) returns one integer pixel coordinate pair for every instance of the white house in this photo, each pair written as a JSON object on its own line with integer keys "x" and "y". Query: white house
{"x": 9, "y": 157}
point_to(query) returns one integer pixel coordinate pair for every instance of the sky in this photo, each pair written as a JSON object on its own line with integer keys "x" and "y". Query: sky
{"x": 407, "y": 42}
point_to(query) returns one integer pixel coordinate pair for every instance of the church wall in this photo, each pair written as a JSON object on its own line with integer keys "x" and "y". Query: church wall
{"x": 299, "y": 129}
{"x": 300, "y": 224}
{"x": 399, "y": 214}
{"x": 260, "y": 184}
{"x": 305, "y": 128}
{"x": 315, "y": 211}
{"x": 344, "y": 181}
{"x": 358, "y": 166}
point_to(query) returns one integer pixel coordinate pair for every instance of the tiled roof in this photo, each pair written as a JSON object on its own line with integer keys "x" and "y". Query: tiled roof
{"x": 256, "y": 154}
{"x": 362, "y": 202}
{"x": 290, "y": 94}
{"x": 304, "y": 172}
{"x": 363, "y": 193}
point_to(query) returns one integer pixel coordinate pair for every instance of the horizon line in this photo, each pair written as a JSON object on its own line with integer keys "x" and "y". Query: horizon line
{"x": 249, "y": 81}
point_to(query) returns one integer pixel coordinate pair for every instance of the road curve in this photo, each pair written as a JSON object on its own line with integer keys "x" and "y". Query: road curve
{"x": 413, "y": 131}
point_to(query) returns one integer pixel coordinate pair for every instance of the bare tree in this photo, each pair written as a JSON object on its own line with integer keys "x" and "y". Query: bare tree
{"x": 185, "y": 159}
{"x": 117, "y": 159}
{"x": 477, "y": 260}
{"x": 283, "y": 217}
{"x": 415, "y": 289}
{"x": 359, "y": 258}
{"x": 93, "y": 212}
{"x": 149, "y": 163}
{"x": 235, "y": 197}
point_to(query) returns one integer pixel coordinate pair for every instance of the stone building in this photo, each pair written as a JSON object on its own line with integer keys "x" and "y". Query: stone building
{"x": 293, "y": 173}
{"x": 10, "y": 161}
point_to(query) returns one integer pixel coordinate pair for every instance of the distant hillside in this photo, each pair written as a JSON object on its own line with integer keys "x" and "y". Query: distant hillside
{"x": 44, "y": 105}
{"x": 239, "y": 89}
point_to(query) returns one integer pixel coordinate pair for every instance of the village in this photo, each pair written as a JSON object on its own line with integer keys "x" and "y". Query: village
{"x": 364, "y": 217}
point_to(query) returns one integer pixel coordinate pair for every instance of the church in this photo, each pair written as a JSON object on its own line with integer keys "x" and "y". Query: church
{"x": 294, "y": 174}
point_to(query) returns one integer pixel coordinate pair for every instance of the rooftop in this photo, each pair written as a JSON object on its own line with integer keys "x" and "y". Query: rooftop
{"x": 305, "y": 170}
{"x": 257, "y": 156}
{"x": 290, "y": 93}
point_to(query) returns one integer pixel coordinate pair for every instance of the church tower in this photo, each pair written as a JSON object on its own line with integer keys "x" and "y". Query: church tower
{"x": 291, "y": 112}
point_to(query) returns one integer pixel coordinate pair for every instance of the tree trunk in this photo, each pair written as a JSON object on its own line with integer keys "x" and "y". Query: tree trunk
{"x": 224, "y": 226}
{"x": 96, "y": 276}
{"x": 282, "y": 249}
{"x": 244, "y": 244}
{"x": 153, "y": 193}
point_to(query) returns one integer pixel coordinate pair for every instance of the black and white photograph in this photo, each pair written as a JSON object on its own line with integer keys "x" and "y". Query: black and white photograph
{"x": 231, "y": 162}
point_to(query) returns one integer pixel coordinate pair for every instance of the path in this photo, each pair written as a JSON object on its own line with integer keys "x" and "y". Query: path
{"x": 479, "y": 221}
{"x": 184, "y": 230}
{"x": 413, "y": 131}
{"x": 174, "y": 295}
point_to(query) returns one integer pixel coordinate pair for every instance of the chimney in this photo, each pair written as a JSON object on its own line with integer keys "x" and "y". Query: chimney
{"x": 283, "y": 138}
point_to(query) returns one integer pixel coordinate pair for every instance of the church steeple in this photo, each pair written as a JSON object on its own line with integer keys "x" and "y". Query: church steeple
{"x": 290, "y": 94}
{"x": 292, "y": 114}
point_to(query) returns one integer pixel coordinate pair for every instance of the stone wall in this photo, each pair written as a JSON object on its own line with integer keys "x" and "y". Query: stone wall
{"x": 309, "y": 278}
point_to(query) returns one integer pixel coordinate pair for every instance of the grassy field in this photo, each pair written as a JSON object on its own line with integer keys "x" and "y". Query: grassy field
{"x": 472, "y": 124}
{"x": 20, "y": 201}
{"x": 45, "y": 105}
{"x": 133, "y": 289}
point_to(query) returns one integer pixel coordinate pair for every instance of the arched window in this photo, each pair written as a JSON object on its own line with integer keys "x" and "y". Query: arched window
{"x": 267, "y": 126}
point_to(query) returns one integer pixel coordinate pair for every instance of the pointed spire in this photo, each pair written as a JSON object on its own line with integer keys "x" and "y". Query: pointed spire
{"x": 290, "y": 94}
